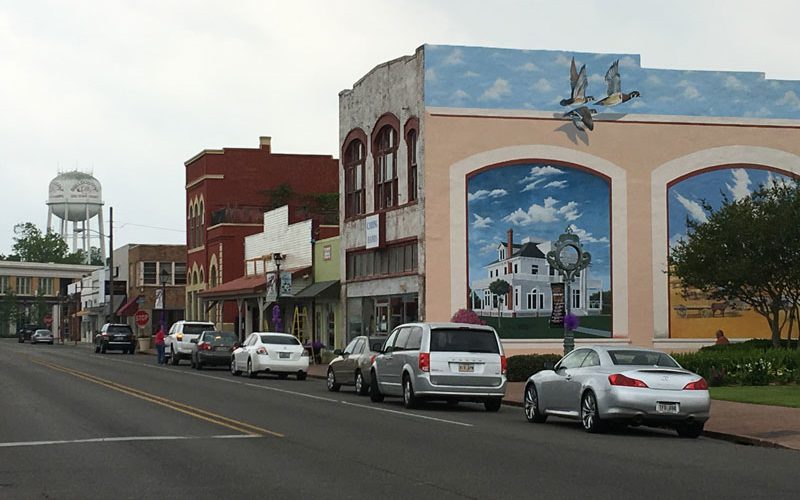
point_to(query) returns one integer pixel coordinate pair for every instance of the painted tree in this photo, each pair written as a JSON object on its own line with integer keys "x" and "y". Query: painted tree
{"x": 748, "y": 250}
{"x": 467, "y": 316}
{"x": 499, "y": 288}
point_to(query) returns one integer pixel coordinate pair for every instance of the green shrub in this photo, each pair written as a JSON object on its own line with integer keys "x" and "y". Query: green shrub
{"x": 523, "y": 366}
{"x": 755, "y": 365}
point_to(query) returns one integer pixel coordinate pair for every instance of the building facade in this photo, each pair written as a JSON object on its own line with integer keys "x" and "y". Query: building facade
{"x": 502, "y": 141}
{"x": 227, "y": 192}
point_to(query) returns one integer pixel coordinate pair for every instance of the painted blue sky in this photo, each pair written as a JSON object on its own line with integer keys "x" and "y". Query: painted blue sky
{"x": 684, "y": 197}
{"x": 538, "y": 200}
{"x": 480, "y": 77}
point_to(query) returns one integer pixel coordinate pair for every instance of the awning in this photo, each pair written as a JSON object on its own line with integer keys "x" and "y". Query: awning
{"x": 246, "y": 285}
{"x": 83, "y": 312}
{"x": 320, "y": 290}
{"x": 129, "y": 307}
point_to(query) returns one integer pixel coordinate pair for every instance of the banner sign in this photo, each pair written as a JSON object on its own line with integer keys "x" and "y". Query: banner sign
{"x": 557, "y": 314}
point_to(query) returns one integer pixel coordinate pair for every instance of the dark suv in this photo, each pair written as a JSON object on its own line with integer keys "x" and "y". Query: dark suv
{"x": 24, "y": 332}
{"x": 115, "y": 336}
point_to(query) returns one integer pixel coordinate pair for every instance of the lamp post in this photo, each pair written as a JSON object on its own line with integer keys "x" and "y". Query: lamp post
{"x": 569, "y": 259}
{"x": 277, "y": 258}
{"x": 165, "y": 277}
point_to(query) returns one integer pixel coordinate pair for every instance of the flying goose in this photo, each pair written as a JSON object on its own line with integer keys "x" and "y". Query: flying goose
{"x": 615, "y": 95}
{"x": 582, "y": 117}
{"x": 577, "y": 80}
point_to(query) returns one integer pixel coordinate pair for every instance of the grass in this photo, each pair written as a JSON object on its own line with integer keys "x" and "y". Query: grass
{"x": 776, "y": 395}
{"x": 539, "y": 328}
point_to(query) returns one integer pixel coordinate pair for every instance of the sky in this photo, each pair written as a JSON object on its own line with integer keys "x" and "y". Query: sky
{"x": 129, "y": 90}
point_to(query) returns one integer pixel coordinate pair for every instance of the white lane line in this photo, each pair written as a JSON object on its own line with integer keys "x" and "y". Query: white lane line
{"x": 406, "y": 414}
{"x": 292, "y": 392}
{"x": 123, "y": 439}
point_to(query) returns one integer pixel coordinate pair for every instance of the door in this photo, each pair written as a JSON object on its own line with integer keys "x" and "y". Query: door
{"x": 242, "y": 356}
{"x": 383, "y": 365}
{"x": 561, "y": 388}
{"x": 344, "y": 370}
{"x": 395, "y": 362}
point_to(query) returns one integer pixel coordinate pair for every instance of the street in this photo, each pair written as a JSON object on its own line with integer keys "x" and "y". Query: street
{"x": 81, "y": 425}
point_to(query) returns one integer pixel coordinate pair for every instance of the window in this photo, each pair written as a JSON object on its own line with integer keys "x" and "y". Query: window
{"x": 573, "y": 359}
{"x": 359, "y": 346}
{"x": 4, "y": 284}
{"x": 464, "y": 340}
{"x": 414, "y": 341}
{"x": 45, "y": 286}
{"x": 180, "y": 273}
{"x": 165, "y": 266}
{"x": 516, "y": 297}
{"x": 402, "y": 340}
{"x": 150, "y": 273}
{"x": 411, "y": 144}
{"x": 200, "y": 226}
{"x": 515, "y": 269}
{"x": 534, "y": 269}
{"x": 279, "y": 340}
{"x": 396, "y": 259}
{"x": 350, "y": 347}
{"x": 576, "y": 299}
{"x": 641, "y": 358}
{"x": 386, "y": 168}
{"x": 387, "y": 347}
{"x": 535, "y": 299}
{"x": 354, "y": 158}
{"x": 487, "y": 298}
{"x": 23, "y": 285}
{"x": 592, "y": 359}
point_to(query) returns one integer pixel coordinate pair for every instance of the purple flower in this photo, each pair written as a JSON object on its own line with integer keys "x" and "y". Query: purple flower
{"x": 571, "y": 322}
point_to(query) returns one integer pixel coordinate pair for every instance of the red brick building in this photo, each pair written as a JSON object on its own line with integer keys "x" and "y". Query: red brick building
{"x": 227, "y": 192}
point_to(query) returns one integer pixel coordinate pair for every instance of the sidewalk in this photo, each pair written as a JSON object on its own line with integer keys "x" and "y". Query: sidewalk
{"x": 759, "y": 425}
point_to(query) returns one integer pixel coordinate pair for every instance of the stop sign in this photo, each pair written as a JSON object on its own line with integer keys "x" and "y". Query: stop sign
{"x": 48, "y": 320}
{"x": 142, "y": 317}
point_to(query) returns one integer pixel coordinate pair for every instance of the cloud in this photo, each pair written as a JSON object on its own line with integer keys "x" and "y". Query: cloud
{"x": 653, "y": 81}
{"x": 454, "y": 58}
{"x": 532, "y": 185}
{"x": 545, "y": 213}
{"x": 498, "y": 90}
{"x": 790, "y": 99}
{"x": 430, "y": 74}
{"x": 596, "y": 78}
{"x": 638, "y": 104}
{"x": 774, "y": 180}
{"x": 542, "y": 85}
{"x": 675, "y": 239}
{"x": 471, "y": 74}
{"x": 695, "y": 210}
{"x": 483, "y": 193}
{"x": 529, "y": 66}
{"x": 481, "y": 222}
{"x": 537, "y": 172}
{"x": 587, "y": 237}
{"x": 459, "y": 95}
{"x": 556, "y": 184}
{"x": 488, "y": 248}
{"x": 741, "y": 184}
{"x": 628, "y": 62}
{"x": 563, "y": 60}
{"x": 690, "y": 92}
{"x": 732, "y": 83}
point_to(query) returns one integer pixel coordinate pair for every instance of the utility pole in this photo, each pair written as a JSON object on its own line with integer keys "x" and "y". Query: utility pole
{"x": 111, "y": 261}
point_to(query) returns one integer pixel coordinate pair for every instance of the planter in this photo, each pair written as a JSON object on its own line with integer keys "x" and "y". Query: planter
{"x": 144, "y": 343}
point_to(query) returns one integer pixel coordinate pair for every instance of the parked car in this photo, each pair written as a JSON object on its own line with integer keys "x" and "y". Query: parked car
{"x": 212, "y": 348}
{"x": 115, "y": 336}
{"x": 446, "y": 361}
{"x": 25, "y": 332}
{"x": 634, "y": 386}
{"x": 270, "y": 352}
{"x": 351, "y": 366}
{"x": 178, "y": 342}
{"x": 42, "y": 336}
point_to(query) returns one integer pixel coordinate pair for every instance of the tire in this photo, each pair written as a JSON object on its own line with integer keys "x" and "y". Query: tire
{"x": 409, "y": 399}
{"x": 174, "y": 357}
{"x": 531, "y": 405}
{"x": 493, "y": 404}
{"x": 693, "y": 430}
{"x": 375, "y": 394}
{"x": 250, "y": 372}
{"x": 590, "y": 417}
{"x": 331, "y": 381}
{"x": 234, "y": 371}
{"x": 361, "y": 388}
{"x": 302, "y": 375}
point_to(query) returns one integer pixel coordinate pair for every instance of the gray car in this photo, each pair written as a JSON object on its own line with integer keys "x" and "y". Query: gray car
{"x": 633, "y": 386}
{"x": 42, "y": 336}
{"x": 351, "y": 366}
{"x": 212, "y": 348}
{"x": 444, "y": 361}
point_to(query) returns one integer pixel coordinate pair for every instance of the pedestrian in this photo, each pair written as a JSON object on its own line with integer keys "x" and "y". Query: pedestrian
{"x": 721, "y": 338}
{"x": 160, "y": 345}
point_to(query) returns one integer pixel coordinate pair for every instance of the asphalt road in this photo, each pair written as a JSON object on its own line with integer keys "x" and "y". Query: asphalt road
{"x": 74, "y": 424}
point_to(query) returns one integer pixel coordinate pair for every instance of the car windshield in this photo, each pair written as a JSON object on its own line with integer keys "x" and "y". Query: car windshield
{"x": 458, "y": 340}
{"x": 196, "y": 329}
{"x": 220, "y": 338}
{"x": 642, "y": 358}
{"x": 279, "y": 340}
{"x": 119, "y": 329}
{"x": 42, "y": 332}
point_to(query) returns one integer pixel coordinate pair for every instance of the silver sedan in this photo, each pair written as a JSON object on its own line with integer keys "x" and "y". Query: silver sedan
{"x": 633, "y": 386}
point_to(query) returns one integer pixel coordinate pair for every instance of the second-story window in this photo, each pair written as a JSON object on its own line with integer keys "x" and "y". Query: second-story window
{"x": 23, "y": 285}
{"x": 411, "y": 142}
{"x": 4, "y": 287}
{"x": 149, "y": 273}
{"x": 386, "y": 168}
{"x": 45, "y": 286}
{"x": 180, "y": 273}
{"x": 354, "y": 179}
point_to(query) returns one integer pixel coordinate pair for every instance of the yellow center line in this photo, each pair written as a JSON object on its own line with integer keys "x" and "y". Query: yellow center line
{"x": 201, "y": 414}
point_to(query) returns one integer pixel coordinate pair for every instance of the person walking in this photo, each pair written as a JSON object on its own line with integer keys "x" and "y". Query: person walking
{"x": 160, "y": 345}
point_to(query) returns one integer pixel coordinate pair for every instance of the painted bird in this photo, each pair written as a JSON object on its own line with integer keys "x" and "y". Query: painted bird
{"x": 582, "y": 117}
{"x": 577, "y": 80}
{"x": 615, "y": 95}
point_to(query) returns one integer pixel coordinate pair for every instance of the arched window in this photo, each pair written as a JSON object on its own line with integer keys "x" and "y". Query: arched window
{"x": 354, "y": 159}
{"x": 411, "y": 141}
{"x": 200, "y": 238}
{"x": 190, "y": 232}
{"x": 212, "y": 276}
{"x": 386, "y": 168}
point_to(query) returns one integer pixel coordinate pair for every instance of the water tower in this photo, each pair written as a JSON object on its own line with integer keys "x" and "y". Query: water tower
{"x": 76, "y": 197}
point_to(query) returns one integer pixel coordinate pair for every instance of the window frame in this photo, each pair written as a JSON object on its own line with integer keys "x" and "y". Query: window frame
{"x": 411, "y": 134}
{"x": 354, "y": 168}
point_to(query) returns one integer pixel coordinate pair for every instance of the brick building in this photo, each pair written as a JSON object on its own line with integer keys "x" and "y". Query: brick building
{"x": 227, "y": 192}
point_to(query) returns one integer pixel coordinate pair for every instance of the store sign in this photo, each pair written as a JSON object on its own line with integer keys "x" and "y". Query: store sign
{"x": 326, "y": 252}
{"x": 557, "y": 314}
{"x": 373, "y": 231}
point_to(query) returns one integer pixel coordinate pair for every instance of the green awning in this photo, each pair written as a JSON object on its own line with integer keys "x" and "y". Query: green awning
{"x": 320, "y": 290}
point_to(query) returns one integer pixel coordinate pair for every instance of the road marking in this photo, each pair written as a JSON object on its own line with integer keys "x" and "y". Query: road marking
{"x": 265, "y": 387}
{"x": 123, "y": 439}
{"x": 406, "y": 414}
{"x": 208, "y": 416}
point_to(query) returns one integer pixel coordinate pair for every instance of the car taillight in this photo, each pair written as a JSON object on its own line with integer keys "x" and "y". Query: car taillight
{"x": 204, "y": 346}
{"x": 304, "y": 353}
{"x": 261, "y": 350}
{"x": 372, "y": 359}
{"x": 620, "y": 379}
{"x": 697, "y": 385}
{"x": 503, "y": 365}
{"x": 179, "y": 336}
{"x": 425, "y": 361}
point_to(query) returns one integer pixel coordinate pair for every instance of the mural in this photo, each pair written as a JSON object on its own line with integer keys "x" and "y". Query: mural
{"x": 692, "y": 315}
{"x": 516, "y": 213}
{"x": 492, "y": 78}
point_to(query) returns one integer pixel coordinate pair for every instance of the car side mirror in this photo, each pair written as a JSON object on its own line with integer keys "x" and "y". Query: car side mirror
{"x": 235, "y": 346}
{"x": 193, "y": 341}
{"x": 549, "y": 365}
{"x": 337, "y": 352}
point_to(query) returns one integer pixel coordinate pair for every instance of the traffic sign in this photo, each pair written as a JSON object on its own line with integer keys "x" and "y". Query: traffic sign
{"x": 142, "y": 317}
{"x": 48, "y": 320}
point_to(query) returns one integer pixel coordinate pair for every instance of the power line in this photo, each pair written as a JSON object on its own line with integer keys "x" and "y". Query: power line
{"x": 150, "y": 227}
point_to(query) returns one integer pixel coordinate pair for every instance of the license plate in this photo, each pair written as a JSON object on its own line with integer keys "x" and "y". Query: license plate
{"x": 220, "y": 348}
{"x": 667, "y": 407}
{"x": 466, "y": 368}
{"x": 284, "y": 355}
{"x": 119, "y": 338}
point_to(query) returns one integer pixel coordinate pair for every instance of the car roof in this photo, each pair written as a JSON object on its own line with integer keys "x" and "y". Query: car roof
{"x": 195, "y": 322}
{"x": 607, "y": 348}
{"x": 436, "y": 325}
{"x": 275, "y": 333}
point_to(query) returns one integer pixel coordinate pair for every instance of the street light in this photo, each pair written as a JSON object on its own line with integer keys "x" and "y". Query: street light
{"x": 165, "y": 278}
{"x": 277, "y": 258}
{"x": 569, "y": 259}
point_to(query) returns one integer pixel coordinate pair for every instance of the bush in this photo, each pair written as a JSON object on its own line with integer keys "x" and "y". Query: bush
{"x": 743, "y": 365}
{"x": 523, "y": 366}
{"x": 467, "y": 316}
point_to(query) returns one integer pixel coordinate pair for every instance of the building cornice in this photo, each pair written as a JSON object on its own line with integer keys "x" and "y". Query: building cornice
{"x": 201, "y": 153}
{"x": 206, "y": 177}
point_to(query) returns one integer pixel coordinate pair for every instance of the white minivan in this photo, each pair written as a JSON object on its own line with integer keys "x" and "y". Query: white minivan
{"x": 178, "y": 343}
{"x": 445, "y": 361}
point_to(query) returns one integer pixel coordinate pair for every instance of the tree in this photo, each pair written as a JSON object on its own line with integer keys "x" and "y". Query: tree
{"x": 9, "y": 309}
{"x": 500, "y": 288}
{"x": 467, "y": 316}
{"x": 39, "y": 309}
{"x": 33, "y": 246}
{"x": 747, "y": 250}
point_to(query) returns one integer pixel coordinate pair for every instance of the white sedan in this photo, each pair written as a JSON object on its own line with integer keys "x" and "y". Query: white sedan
{"x": 269, "y": 352}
